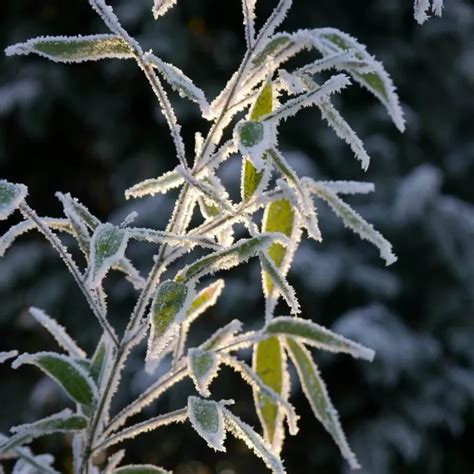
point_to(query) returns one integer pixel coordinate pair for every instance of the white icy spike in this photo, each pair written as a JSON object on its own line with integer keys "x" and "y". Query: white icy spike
{"x": 161, "y": 7}
{"x": 248, "y": 9}
{"x": 422, "y": 8}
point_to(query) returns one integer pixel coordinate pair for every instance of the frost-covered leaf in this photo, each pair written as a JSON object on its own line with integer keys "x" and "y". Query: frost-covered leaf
{"x": 251, "y": 177}
{"x": 108, "y": 246}
{"x": 4, "y": 356}
{"x": 269, "y": 363}
{"x": 315, "y": 390}
{"x": 254, "y": 139}
{"x": 348, "y": 187}
{"x": 11, "y": 196}
{"x": 297, "y": 195}
{"x": 141, "y": 469}
{"x": 113, "y": 461}
{"x": 353, "y": 221}
{"x": 13, "y": 442}
{"x": 315, "y": 335}
{"x": 74, "y": 49}
{"x": 169, "y": 308}
{"x": 100, "y": 357}
{"x": 31, "y": 464}
{"x": 222, "y": 336}
{"x": 344, "y": 131}
{"x": 160, "y": 185}
{"x": 273, "y": 47}
{"x": 206, "y": 298}
{"x": 422, "y": 8}
{"x": 66, "y": 372}
{"x": 280, "y": 216}
{"x": 202, "y": 366}
{"x": 238, "y": 253}
{"x": 160, "y": 7}
{"x": 330, "y": 40}
{"x": 58, "y": 332}
{"x": 313, "y": 97}
{"x": 275, "y": 19}
{"x": 207, "y": 419}
{"x": 179, "y": 82}
{"x": 280, "y": 284}
{"x": 254, "y": 441}
{"x": 63, "y": 422}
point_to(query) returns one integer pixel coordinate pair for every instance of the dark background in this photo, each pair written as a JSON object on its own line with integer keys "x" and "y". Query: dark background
{"x": 94, "y": 130}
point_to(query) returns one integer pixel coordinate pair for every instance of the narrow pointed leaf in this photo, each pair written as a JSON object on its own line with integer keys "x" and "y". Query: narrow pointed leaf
{"x": 160, "y": 7}
{"x": 272, "y": 48}
{"x": 141, "y": 469}
{"x": 222, "y": 336}
{"x": 269, "y": 363}
{"x": 353, "y": 221}
{"x": 315, "y": 390}
{"x": 238, "y": 253}
{"x": 63, "y": 422}
{"x": 66, "y": 372}
{"x": 254, "y": 441}
{"x": 207, "y": 419}
{"x": 74, "y": 49}
{"x": 11, "y": 196}
{"x": 160, "y": 185}
{"x": 205, "y": 299}
{"x": 318, "y": 336}
{"x": 108, "y": 245}
{"x": 4, "y": 356}
{"x": 58, "y": 332}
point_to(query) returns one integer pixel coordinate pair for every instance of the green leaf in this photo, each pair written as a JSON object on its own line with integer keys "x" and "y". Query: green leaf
{"x": 168, "y": 310}
{"x": 99, "y": 358}
{"x": 254, "y": 441}
{"x": 205, "y": 299}
{"x": 272, "y": 48}
{"x": 14, "y": 442}
{"x": 228, "y": 258}
{"x": 11, "y": 196}
{"x": 108, "y": 245}
{"x": 270, "y": 365}
{"x": 250, "y": 133}
{"x": 63, "y": 422}
{"x": 141, "y": 469}
{"x": 317, "y": 336}
{"x": 203, "y": 366}
{"x": 377, "y": 81}
{"x": 74, "y": 49}
{"x": 279, "y": 217}
{"x": 315, "y": 390}
{"x": 251, "y": 178}
{"x": 208, "y": 420}
{"x": 66, "y": 372}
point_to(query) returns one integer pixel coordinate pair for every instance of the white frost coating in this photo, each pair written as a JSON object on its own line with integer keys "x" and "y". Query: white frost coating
{"x": 274, "y": 20}
{"x": 222, "y": 336}
{"x": 207, "y": 297}
{"x": 203, "y": 367}
{"x": 40, "y": 427}
{"x": 33, "y": 464}
{"x": 179, "y": 82}
{"x": 291, "y": 107}
{"x": 207, "y": 190}
{"x": 422, "y": 8}
{"x": 254, "y": 441}
{"x": 249, "y": 376}
{"x": 330, "y": 41}
{"x": 108, "y": 16}
{"x": 102, "y": 259}
{"x": 148, "y": 468}
{"x": 15, "y": 194}
{"x": 279, "y": 281}
{"x": 225, "y": 259}
{"x": 312, "y": 382}
{"x": 348, "y": 187}
{"x": 353, "y": 221}
{"x": 95, "y": 48}
{"x": 32, "y": 360}
{"x": 177, "y": 416}
{"x": 248, "y": 9}
{"x": 58, "y": 332}
{"x": 150, "y": 187}
{"x": 114, "y": 461}
{"x": 207, "y": 418}
{"x": 160, "y": 7}
{"x": 15, "y": 231}
{"x": 318, "y": 336}
{"x": 345, "y": 132}
{"x": 4, "y": 356}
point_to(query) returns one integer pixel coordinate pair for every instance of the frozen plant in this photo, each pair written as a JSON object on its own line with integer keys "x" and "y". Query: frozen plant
{"x": 253, "y": 104}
